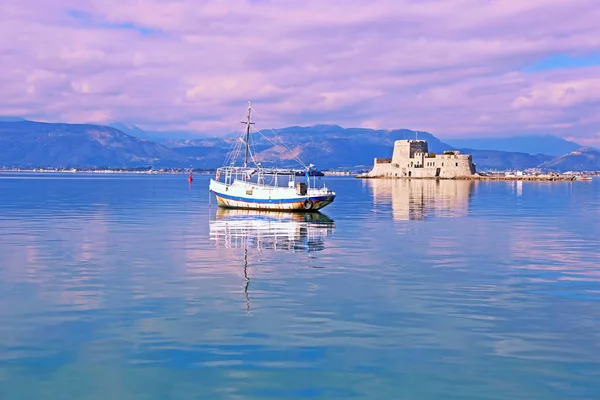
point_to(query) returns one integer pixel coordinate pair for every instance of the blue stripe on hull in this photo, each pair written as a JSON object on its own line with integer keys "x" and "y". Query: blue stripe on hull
{"x": 275, "y": 201}
{"x": 275, "y": 207}
{"x": 297, "y": 204}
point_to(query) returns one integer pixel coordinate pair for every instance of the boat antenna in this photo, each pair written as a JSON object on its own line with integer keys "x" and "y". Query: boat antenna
{"x": 248, "y": 123}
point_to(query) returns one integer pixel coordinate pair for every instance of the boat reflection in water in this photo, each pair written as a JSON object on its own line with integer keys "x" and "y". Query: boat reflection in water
{"x": 269, "y": 230}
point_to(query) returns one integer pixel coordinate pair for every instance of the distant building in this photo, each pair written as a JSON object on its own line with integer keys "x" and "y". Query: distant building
{"x": 411, "y": 159}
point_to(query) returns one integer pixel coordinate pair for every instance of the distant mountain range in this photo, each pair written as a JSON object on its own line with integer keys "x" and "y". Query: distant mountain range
{"x": 503, "y": 160}
{"x": 584, "y": 159}
{"x": 36, "y": 144}
{"x": 531, "y": 144}
{"x": 31, "y": 144}
{"x": 327, "y": 146}
{"x": 11, "y": 119}
{"x": 136, "y": 131}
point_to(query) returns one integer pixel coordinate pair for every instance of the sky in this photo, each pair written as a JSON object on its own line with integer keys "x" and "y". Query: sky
{"x": 455, "y": 68}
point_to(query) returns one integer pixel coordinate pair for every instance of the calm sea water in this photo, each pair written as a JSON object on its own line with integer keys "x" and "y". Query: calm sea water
{"x": 132, "y": 287}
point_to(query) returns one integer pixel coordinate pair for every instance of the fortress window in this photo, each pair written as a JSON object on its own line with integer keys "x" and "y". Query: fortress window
{"x": 457, "y": 164}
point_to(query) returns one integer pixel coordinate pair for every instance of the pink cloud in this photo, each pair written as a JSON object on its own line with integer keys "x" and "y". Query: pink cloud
{"x": 451, "y": 67}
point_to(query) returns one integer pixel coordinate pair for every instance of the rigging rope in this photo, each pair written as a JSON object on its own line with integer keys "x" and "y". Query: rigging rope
{"x": 236, "y": 146}
{"x": 282, "y": 143}
{"x": 234, "y": 150}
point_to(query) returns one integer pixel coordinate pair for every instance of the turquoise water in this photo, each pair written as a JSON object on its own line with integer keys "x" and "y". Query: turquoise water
{"x": 132, "y": 287}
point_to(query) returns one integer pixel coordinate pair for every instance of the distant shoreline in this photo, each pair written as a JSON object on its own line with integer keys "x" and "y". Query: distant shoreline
{"x": 142, "y": 171}
{"x": 496, "y": 176}
{"x": 533, "y": 178}
{"x": 110, "y": 171}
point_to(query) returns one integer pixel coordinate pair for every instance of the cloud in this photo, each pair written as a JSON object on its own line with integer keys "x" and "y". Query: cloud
{"x": 455, "y": 67}
{"x": 561, "y": 94}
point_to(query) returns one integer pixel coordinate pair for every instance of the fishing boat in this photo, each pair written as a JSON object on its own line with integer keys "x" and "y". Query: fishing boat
{"x": 250, "y": 186}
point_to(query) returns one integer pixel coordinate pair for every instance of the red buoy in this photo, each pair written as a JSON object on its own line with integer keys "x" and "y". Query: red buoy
{"x": 190, "y": 179}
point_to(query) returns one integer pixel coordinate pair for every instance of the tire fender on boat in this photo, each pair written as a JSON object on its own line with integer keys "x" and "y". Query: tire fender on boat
{"x": 308, "y": 204}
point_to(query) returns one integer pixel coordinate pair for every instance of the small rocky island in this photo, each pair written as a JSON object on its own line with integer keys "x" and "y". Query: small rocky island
{"x": 412, "y": 159}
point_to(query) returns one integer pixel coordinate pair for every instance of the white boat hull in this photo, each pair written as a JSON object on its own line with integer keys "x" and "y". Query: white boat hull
{"x": 259, "y": 197}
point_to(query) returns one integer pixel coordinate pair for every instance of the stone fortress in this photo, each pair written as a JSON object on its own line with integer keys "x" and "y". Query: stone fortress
{"x": 411, "y": 159}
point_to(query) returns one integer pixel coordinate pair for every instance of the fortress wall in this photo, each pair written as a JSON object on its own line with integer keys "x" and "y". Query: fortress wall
{"x": 384, "y": 170}
{"x": 454, "y": 166}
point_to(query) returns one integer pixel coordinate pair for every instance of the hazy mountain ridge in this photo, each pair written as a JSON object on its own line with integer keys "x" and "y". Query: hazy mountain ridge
{"x": 584, "y": 159}
{"x": 501, "y": 160}
{"x": 530, "y": 144}
{"x": 327, "y": 146}
{"x": 30, "y": 144}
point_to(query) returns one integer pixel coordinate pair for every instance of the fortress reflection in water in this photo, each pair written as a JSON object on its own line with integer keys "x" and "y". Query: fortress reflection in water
{"x": 416, "y": 199}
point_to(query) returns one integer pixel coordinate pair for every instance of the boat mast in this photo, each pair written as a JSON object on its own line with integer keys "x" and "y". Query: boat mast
{"x": 248, "y": 123}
